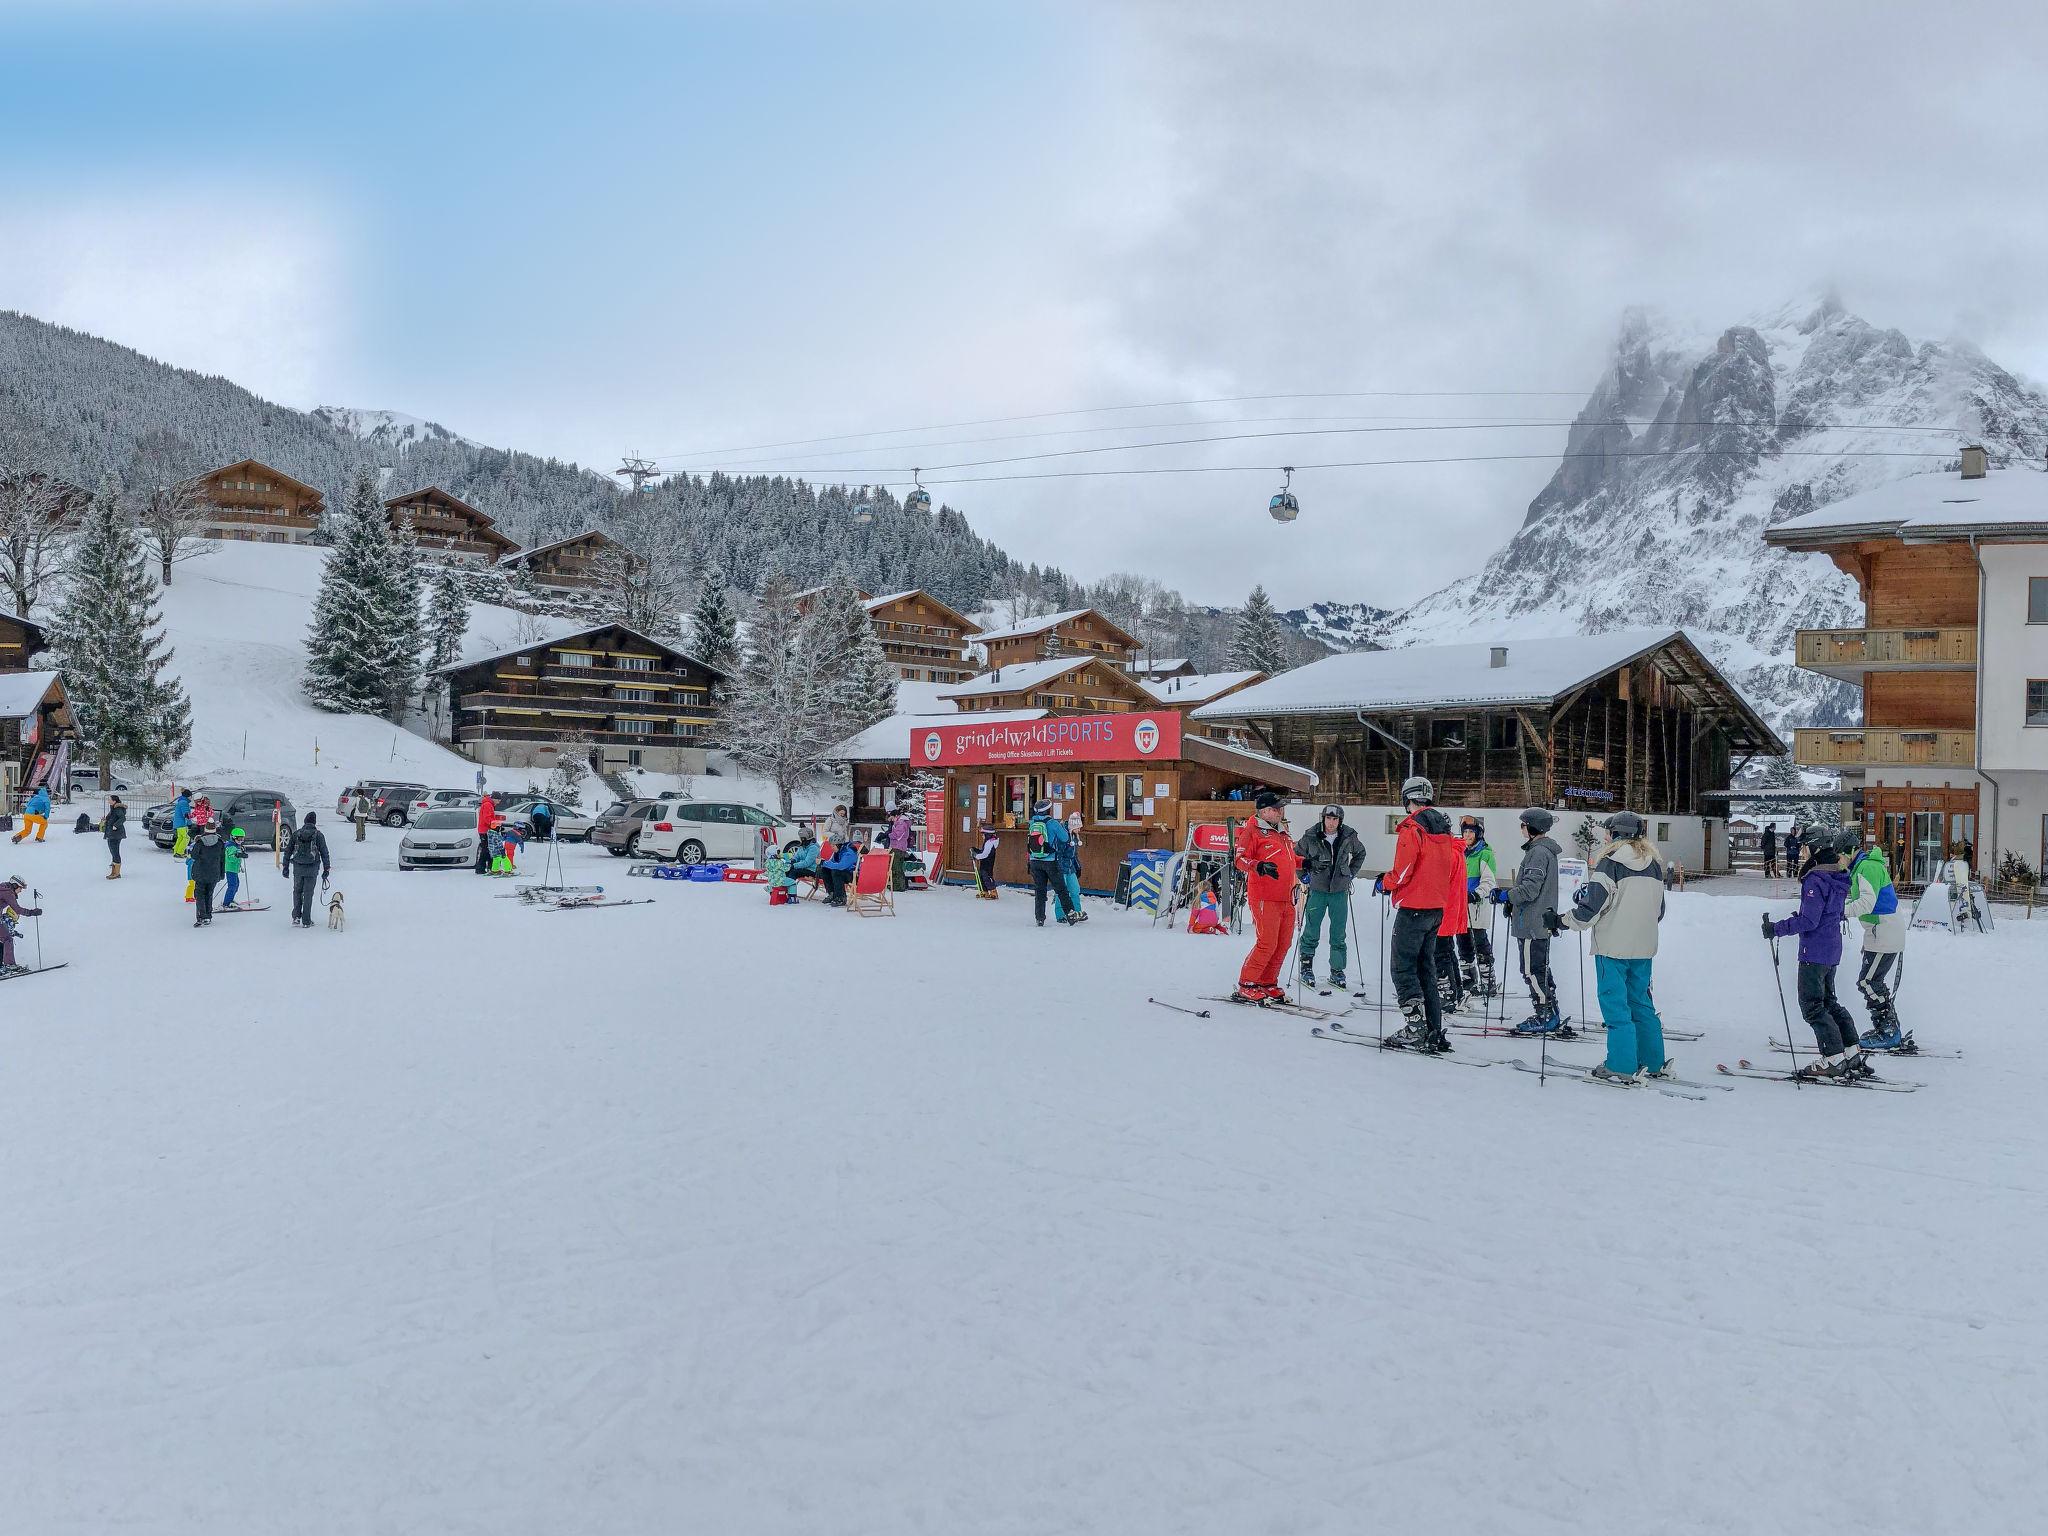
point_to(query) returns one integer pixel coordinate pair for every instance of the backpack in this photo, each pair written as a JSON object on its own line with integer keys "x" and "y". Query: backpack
{"x": 306, "y": 845}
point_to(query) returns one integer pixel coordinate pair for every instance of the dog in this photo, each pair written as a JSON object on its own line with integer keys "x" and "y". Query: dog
{"x": 335, "y": 917}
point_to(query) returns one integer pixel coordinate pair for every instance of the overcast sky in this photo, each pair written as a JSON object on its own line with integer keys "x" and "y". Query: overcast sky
{"x": 583, "y": 229}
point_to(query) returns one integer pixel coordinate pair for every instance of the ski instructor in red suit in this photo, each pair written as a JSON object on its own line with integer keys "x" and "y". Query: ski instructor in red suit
{"x": 1265, "y": 852}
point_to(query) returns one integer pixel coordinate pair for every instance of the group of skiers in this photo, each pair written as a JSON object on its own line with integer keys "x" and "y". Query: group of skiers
{"x": 1845, "y": 879}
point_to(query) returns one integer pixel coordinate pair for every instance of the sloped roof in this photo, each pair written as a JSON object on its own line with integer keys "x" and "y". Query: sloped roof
{"x": 2011, "y": 500}
{"x": 1046, "y": 621}
{"x": 267, "y": 469}
{"x": 1019, "y": 677}
{"x": 22, "y": 693}
{"x": 1159, "y": 666}
{"x": 888, "y": 741}
{"x": 576, "y": 632}
{"x": 874, "y": 603}
{"x": 517, "y": 556}
{"x": 1198, "y": 688}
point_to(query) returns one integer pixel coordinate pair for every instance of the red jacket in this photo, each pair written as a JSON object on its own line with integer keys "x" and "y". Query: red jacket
{"x": 1429, "y": 863}
{"x": 1457, "y": 920}
{"x": 1255, "y": 846}
{"x": 486, "y": 814}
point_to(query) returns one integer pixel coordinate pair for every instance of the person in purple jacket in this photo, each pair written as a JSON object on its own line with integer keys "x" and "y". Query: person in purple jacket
{"x": 1822, "y": 914}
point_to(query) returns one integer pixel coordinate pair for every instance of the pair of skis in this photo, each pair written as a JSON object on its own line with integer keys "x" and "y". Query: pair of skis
{"x": 1773, "y": 1075}
{"x": 33, "y": 970}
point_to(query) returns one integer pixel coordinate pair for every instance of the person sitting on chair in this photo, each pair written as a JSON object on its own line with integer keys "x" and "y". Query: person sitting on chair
{"x": 837, "y": 873}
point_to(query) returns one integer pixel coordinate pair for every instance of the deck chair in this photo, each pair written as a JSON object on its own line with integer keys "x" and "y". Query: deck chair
{"x": 870, "y": 893}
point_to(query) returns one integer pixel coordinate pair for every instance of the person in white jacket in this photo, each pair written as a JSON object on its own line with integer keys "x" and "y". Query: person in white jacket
{"x": 1873, "y": 906}
{"x": 1620, "y": 905}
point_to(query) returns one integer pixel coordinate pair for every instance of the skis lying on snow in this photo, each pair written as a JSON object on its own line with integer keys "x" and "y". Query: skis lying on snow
{"x": 1193, "y": 1013}
{"x": 548, "y": 892}
{"x": 1277, "y": 1006}
{"x": 1595, "y": 1027}
{"x": 1917, "y": 1053}
{"x": 1769, "y": 1074}
{"x": 33, "y": 970}
{"x": 584, "y": 906}
{"x": 244, "y": 906}
{"x": 1671, "y": 1088}
{"x": 1345, "y": 1037}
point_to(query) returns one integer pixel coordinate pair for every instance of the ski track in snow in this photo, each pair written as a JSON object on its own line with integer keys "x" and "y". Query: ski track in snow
{"x": 711, "y": 1216}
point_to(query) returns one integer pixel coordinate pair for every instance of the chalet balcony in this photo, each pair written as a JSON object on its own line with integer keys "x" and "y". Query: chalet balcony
{"x": 238, "y": 516}
{"x": 1882, "y": 747}
{"x": 1849, "y": 653}
{"x": 622, "y": 675}
{"x": 579, "y": 738}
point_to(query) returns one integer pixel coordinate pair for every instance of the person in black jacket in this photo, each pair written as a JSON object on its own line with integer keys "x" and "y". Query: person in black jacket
{"x": 309, "y": 862}
{"x": 114, "y": 827}
{"x": 208, "y": 852}
{"x": 1331, "y": 857}
{"x": 1770, "y": 850}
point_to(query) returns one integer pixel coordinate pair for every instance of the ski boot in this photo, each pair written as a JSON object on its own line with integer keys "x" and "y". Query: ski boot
{"x": 1855, "y": 1066}
{"x": 1606, "y": 1076}
{"x": 1651, "y": 1074}
{"x": 1434, "y": 1042}
{"x": 1487, "y": 985}
{"x": 1308, "y": 975}
{"x": 1336, "y": 981}
{"x": 1544, "y": 1021}
{"x": 1250, "y": 997}
{"x": 1411, "y": 1032}
{"x": 1823, "y": 1069}
{"x": 1468, "y": 976}
{"x": 1883, "y": 1035}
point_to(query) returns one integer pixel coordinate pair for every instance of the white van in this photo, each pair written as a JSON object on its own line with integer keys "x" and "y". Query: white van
{"x": 693, "y": 831}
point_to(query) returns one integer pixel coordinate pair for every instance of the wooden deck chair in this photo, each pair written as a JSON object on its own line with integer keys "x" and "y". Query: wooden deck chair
{"x": 870, "y": 893}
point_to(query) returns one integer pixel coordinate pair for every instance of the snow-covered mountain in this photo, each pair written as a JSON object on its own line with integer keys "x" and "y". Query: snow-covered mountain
{"x": 1689, "y": 446}
{"x": 389, "y": 429}
{"x": 1342, "y": 626}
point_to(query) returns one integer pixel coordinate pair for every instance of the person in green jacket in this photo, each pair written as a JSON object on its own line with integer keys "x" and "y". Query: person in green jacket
{"x": 1482, "y": 879}
{"x": 234, "y": 853}
{"x": 1331, "y": 857}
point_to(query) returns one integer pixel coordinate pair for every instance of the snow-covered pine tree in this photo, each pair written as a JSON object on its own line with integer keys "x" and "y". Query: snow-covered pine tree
{"x": 1258, "y": 643}
{"x": 407, "y": 586}
{"x": 847, "y": 656}
{"x": 714, "y": 632}
{"x": 109, "y": 647}
{"x": 352, "y": 648}
{"x": 447, "y": 618}
{"x": 784, "y": 720}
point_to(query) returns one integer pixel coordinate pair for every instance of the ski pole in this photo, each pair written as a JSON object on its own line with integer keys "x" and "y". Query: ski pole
{"x": 37, "y": 897}
{"x": 1380, "y": 1006}
{"x": 1350, "y": 920}
{"x": 1791, "y": 1045}
{"x": 1585, "y": 1015}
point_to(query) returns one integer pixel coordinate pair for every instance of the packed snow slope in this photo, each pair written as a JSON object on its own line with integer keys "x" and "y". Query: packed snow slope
{"x": 1688, "y": 448}
{"x": 710, "y": 1216}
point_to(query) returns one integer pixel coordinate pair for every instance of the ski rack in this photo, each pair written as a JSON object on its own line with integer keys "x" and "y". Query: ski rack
{"x": 1191, "y": 867}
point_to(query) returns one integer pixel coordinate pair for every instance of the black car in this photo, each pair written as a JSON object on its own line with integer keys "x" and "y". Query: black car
{"x": 250, "y": 809}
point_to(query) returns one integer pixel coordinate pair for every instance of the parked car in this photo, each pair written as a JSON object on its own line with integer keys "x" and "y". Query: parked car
{"x": 570, "y": 826}
{"x": 444, "y": 800}
{"x": 390, "y": 800}
{"x": 250, "y": 809}
{"x": 85, "y": 779}
{"x": 617, "y": 830}
{"x": 692, "y": 831}
{"x": 440, "y": 839}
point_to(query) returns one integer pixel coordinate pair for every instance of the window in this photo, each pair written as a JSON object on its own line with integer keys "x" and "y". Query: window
{"x": 522, "y": 661}
{"x": 634, "y": 695}
{"x": 1503, "y": 733}
{"x": 1447, "y": 735}
{"x": 631, "y": 727}
{"x": 634, "y": 663}
{"x": 1663, "y": 831}
{"x": 2037, "y": 701}
{"x": 754, "y": 816}
{"x": 2037, "y": 599}
{"x": 1394, "y": 820}
{"x": 572, "y": 659}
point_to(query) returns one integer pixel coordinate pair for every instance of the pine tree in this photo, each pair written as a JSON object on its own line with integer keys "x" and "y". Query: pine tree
{"x": 714, "y": 632}
{"x": 355, "y": 651}
{"x": 110, "y": 649}
{"x": 1258, "y": 643}
{"x": 844, "y": 651}
{"x": 784, "y": 719}
{"x": 447, "y": 619}
{"x": 407, "y": 588}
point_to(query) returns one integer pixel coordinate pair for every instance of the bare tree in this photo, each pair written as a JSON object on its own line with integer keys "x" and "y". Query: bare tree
{"x": 35, "y": 509}
{"x": 170, "y": 502}
{"x": 644, "y": 577}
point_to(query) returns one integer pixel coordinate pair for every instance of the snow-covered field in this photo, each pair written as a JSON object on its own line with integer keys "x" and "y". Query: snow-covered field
{"x": 707, "y": 1216}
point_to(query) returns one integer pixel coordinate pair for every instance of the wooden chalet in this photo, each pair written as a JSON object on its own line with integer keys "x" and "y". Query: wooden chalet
{"x": 252, "y": 501}
{"x": 621, "y": 697}
{"x": 1076, "y": 632}
{"x": 1155, "y": 669}
{"x": 21, "y": 641}
{"x": 37, "y": 730}
{"x": 1639, "y": 718}
{"x": 1063, "y": 685}
{"x": 1189, "y": 690}
{"x": 577, "y": 561}
{"x": 923, "y": 638}
{"x": 449, "y": 527}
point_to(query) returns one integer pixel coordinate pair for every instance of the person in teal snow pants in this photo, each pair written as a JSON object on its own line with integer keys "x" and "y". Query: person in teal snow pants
{"x": 1620, "y": 905}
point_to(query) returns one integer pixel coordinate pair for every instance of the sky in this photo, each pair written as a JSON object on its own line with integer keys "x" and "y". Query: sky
{"x": 689, "y": 230}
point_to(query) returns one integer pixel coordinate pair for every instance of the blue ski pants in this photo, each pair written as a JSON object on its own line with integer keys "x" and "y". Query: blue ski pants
{"x": 1635, "y": 1035}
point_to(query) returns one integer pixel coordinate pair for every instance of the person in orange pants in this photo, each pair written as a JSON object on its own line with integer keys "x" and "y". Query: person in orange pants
{"x": 1265, "y": 852}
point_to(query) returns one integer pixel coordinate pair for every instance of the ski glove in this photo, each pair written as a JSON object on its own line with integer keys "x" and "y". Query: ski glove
{"x": 1267, "y": 868}
{"x": 1770, "y": 928}
{"x": 1500, "y": 897}
{"x": 1379, "y": 885}
{"x": 1553, "y": 924}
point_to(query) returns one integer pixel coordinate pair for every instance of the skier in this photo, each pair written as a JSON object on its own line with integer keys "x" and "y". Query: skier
{"x": 1456, "y": 925}
{"x": 1265, "y": 853}
{"x": 1331, "y": 857}
{"x": 1621, "y": 904}
{"x": 1046, "y": 836}
{"x": 1770, "y": 850}
{"x": 37, "y": 813}
{"x": 11, "y": 908}
{"x": 181, "y": 823}
{"x": 510, "y": 841}
{"x": 1955, "y": 870}
{"x": 1874, "y": 903}
{"x": 1528, "y": 900}
{"x": 1823, "y": 898}
{"x": 232, "y": 861}
{"x": 114, "y": 827}
{"x": 1482, "y": 879}
{"x": 486, "y": 819}
{"x": 542, "y": 819}
{"x": 209, "y": 864}
{"x": 309, "y": 862}
{"x": 1420, "y": 885}
{"x": 985, "y": 864}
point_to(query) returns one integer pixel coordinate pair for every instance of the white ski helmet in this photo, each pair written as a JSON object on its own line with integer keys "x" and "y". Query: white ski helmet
{"x": 1420, "y": 790}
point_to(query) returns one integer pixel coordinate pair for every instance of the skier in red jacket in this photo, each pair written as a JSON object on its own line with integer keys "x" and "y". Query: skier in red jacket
{"x": 1427, "y": 877}
{"x": 1272, "y": 869}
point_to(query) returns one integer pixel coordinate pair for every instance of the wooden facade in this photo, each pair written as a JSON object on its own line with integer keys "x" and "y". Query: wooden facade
{"x": 606, "y": 687}
{"x": 35, "y": 715}
{"x": 449, "y": 527}
{"x": 1082, "y": 686}
{"x": 21, "y": 641}
{"x": 923, "y": 638}
{"x": 577, "y": 561}
{"x": 249, "y": 500}
{"x": 1078, "y": 632}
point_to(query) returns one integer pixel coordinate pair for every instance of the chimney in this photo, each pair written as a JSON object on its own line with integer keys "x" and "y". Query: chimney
{"x": 1973, "y": 462}
{"x": 1499, "y": 658}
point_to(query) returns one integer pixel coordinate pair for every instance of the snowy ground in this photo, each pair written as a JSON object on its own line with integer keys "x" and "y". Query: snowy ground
{"x": 706, "y": 1216}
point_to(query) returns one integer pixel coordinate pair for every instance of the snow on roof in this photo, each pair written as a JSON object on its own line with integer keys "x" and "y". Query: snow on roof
{"x": 575, "y": 631}
{"x": 1037, "y": 626}
{"x": 1230, "y": 755}
{"x": 519, "y": 555}
{"x": 21, "y": 693}
{"x": 1160, "y": 664}
{"x": 1439, "y": 676}
{"x": 1196, "y": 689}
{"x": 1928, "y": 506}
{"x": 1017, "y": 676}
{"x": 888, "y": 741}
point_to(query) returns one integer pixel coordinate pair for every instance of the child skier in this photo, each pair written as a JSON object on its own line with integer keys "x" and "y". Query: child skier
{"x": 1529, "y": 900}
{"x": 232, "y": 862}
{"x": 1070, "y": 867}
{"x": 985, "y": 864}
{"x": 1420, "y": 885}
{"x": 1482, "y": 879}
{"x": 1621, "y": 904}
{"x": 181, "y": 822}
{"x": 209, "y": 863}
{"x": 1875, "y": 905}
{"x": 1265, "y": 853}
{"x": 513, "y": 840}
{"x": 1823, "y": 899}
{"x": 1455, "y": 928}
{"x": 11, "y": 909}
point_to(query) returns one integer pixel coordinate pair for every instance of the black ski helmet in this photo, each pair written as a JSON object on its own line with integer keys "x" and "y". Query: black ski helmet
{"x": 1537, "y": 820}
{"x": 1624, "y": 824}
{"x": 1470, "y": 823}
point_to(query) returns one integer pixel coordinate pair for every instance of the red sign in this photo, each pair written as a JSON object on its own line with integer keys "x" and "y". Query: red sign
{"x": 1209, "y": 838}
{"x": 1066, "y": 739}
{"x": 935, "y": 825}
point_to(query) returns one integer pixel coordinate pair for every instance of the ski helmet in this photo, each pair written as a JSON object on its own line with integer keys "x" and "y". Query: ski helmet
{"x": 1334, "y": 810}
{"x": 1537, "y": 820}
{"x": 1471, "y": 824}
{"x": 1420, "y": 790}
{"x": 1624, "y": 824}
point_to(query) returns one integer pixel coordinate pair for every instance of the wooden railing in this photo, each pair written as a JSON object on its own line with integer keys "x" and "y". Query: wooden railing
{"x": 1876, "y": 649}
{"x": 1874, "y": 746}
{"x": 554, "y": 672}
{"x": 693, "y": 736}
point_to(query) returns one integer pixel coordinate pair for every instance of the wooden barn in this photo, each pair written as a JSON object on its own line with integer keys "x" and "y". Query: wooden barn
{"x": 1637, "y": 718}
